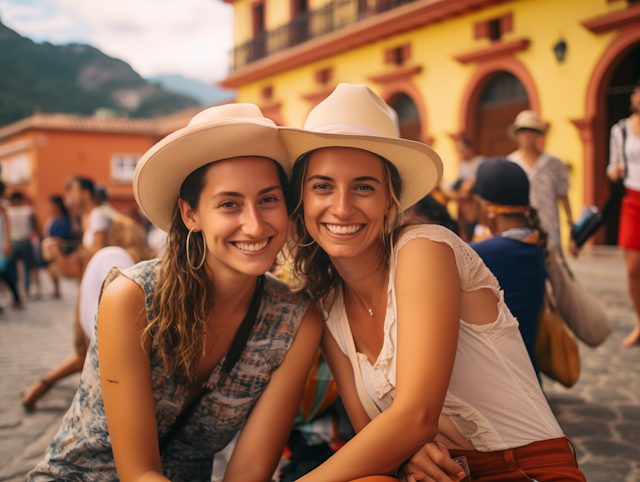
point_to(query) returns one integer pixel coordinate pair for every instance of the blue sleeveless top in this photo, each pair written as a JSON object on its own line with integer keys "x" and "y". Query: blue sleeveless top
{"x": 81, "y": 450}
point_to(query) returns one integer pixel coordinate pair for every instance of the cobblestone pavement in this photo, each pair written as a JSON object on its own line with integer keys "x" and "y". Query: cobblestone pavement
{"x": 32, "y": 341}
{"x": 601, "y": 413}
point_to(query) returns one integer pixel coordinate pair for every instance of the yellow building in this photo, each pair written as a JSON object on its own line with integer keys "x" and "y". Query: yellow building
{"x": 453, "y": 69}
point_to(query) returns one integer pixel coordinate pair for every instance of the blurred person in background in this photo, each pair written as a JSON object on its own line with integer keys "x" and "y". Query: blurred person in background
{"x": 548, "y": 181}
{"x": 22, "y": 225}
{"x": 101, "y": 196}
{"x": 625, "y": 146}
{"x": 515, "y": 255}
{"x": 95, "y": 225}
{"x": 430, "y": 211}
{"x": 6, "y": 253}
{"x": 127, "y": 246}
{"x": 460, "y": 191}
{"x": 58, "y": 226}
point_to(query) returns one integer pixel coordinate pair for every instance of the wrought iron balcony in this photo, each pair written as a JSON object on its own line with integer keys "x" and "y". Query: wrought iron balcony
{"x": 308, "y": 25}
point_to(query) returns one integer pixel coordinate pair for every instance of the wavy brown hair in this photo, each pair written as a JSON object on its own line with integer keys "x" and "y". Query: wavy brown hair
{"x": 311, "y": 264}
{"x": 183, "y": 296}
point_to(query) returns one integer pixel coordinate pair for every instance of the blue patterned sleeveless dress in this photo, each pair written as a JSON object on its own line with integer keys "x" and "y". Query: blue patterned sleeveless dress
{"x": 81, "y": 450}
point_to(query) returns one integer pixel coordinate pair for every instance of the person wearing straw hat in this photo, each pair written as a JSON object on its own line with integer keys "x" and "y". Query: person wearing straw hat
{"x": 547, "y": 176}
{"x": 427, "y": 357}
{"x": 199, "y": 344}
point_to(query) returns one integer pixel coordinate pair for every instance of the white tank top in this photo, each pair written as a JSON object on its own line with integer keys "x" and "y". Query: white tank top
{"x": 494, "y": 398}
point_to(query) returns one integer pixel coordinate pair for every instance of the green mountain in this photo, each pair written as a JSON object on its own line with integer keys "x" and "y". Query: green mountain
{"x": 74, "y": 78}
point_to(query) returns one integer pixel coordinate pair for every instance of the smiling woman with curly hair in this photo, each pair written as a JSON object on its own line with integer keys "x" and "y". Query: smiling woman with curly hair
{"x": 191, "y": 348}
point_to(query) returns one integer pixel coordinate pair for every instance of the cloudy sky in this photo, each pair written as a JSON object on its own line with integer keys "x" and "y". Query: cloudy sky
{"x": 188, "y": 37}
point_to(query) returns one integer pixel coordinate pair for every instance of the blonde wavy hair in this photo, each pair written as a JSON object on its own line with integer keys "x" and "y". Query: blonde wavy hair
{"x": 310, "y": 264}
{"x": 125, "y": 233}
{"x": 183, "y": 296}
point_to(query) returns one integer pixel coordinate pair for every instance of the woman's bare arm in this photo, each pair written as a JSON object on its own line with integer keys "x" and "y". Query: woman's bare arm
{"x": 125, "y": 377}
{"x": 266, "y": 431}
{"x": 428, "y": 300}
{"x": 431, "y": 459}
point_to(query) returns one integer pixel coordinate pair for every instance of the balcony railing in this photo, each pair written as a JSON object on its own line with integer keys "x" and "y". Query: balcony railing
{"x": 308, "y": 25}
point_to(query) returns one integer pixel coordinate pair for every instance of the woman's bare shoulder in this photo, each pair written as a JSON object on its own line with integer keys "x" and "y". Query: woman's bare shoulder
{"x": 431, "y": 239}
{"x": 123, "y": 291}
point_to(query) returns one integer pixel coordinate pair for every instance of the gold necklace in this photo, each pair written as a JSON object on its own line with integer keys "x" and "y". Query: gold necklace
{"x": 370, "y": 309}
{"x": 365, "y": 277}
{"x": 377, "y": 293}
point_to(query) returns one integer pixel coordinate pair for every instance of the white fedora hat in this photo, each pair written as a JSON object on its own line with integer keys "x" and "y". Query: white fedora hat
{"x": 217, "y": 133}
{"x": 527, "y": 119}
{"x": 355, "y": 116}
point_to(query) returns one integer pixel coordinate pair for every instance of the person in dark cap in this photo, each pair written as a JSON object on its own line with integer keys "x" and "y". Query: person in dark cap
{"x": 515, "y": 253}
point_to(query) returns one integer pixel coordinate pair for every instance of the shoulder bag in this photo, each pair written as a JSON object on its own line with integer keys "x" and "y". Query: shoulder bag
{"x": 555, "y": 349}
{"x": 233, "y": 355}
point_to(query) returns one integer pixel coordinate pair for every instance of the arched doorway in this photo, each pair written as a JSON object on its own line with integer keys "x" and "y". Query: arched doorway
{"x": 617, "y": 93}
{"x": 408, "y": 117}
{"x": 502, "y": 98}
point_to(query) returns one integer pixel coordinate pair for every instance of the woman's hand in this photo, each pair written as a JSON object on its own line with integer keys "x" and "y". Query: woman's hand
{"x": 617, "y": 173}
{"x": 430, "y": 463}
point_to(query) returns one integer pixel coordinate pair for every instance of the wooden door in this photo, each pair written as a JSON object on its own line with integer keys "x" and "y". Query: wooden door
{"x": 493, "y": 121}
{"x": 503, "y": 98}
{"x": 408, "y": 117}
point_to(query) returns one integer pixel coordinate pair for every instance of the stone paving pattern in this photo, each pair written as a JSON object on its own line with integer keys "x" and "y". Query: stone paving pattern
{"x": 601, "y": 413}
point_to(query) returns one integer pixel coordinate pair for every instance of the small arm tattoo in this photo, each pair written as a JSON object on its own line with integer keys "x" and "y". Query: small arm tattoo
{"x": 112, "y": 381}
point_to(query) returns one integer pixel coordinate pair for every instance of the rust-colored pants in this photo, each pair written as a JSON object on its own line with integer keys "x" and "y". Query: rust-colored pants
{"x": 546, "y": 461}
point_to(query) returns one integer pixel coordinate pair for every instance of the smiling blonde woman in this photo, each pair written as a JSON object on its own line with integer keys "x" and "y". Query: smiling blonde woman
{"x": 427, "y": 357}
{"x": 190, "y": 348}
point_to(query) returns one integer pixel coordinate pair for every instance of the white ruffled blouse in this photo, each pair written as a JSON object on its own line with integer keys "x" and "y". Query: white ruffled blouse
{"x": 494, "y": 398}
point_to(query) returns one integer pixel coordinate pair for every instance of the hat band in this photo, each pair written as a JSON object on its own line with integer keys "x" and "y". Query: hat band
{"x": 532, "y": 126}
{"x": 346, "y": 128}
{"x": 499, "y": 209}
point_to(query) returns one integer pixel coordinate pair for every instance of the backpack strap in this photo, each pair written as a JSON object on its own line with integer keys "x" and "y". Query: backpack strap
{"x": 623, "y": 129}
{"x": 238, "y": 345}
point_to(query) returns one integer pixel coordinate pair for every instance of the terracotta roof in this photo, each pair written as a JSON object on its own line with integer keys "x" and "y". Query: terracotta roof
{"x": 78, "y": 123}
{"x": 113, "y": 125}
{"x": 172, "y": 122}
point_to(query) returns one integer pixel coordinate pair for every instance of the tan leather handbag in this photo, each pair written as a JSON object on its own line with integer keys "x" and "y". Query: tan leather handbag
{"x": 555, "y": 348}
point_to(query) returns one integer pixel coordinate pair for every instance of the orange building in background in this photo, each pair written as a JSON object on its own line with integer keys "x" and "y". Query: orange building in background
{"x": 39, "y": 154}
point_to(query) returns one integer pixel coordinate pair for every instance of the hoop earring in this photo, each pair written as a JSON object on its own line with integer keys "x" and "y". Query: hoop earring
{"x": 204, "y": 253}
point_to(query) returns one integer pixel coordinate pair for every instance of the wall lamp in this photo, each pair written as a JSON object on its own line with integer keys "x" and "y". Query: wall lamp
{"x": 560, "y": 49}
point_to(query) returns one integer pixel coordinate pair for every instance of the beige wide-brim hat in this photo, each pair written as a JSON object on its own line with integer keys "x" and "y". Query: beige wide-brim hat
{"x": 215, "y": 134}
{"x": 355, "y": 116}
{"x": 527, "y": 119}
